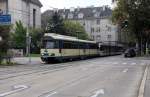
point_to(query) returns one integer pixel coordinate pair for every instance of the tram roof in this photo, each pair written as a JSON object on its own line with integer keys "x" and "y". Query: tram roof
{"x": 68, "y": 38}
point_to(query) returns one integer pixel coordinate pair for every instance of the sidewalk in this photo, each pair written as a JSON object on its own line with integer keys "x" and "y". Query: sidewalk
{"x": 26, "y": 60}
{"x": 147, "y": 85}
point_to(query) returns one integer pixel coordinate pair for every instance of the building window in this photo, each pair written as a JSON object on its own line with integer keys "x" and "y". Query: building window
{"x": 93, "y": 37}
{"x": 70, "y": 16}
{"x": 98, "y": 22}
{"x": 92, "y": 30}
{"x": 109, "y": 37}
{"x": 99, "y": 38}
{"x": 34, "y": 17}
{"x": 98, "y": 29}
{"x": 80, "y": 15}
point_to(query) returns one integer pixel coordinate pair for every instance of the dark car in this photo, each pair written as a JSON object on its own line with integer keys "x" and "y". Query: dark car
{"x": 130, "y": 52}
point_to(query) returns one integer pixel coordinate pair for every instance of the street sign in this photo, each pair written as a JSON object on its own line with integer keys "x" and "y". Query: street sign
{"x": 5, "y": 19}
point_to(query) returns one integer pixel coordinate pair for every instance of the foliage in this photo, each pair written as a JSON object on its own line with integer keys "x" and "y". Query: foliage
{"x": 75, "y": 29}
{"x": 4, "y": 43}
{"x": 19, "y": 36}
{"x": 55, "y": 24}
{"x": 136, "y": 12}
{"x": 36, "y": 36}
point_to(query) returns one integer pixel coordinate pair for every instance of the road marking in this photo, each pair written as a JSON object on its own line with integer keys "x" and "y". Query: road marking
{"x": 125, "y": 70}
{"x": 99, "y": 92}
{"x": 51, "y": 94}
{"x": 16, "y": 88}
{"x": 124, "y": 63}
{"x": 133, "y": 63}
{"x": 142, "y": 86}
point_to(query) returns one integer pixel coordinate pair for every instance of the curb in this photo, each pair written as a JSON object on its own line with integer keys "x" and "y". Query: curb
{"x": 142, "y": 86}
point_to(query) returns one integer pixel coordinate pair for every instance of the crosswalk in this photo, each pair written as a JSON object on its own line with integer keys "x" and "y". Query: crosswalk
{"x": 123, "y": 63}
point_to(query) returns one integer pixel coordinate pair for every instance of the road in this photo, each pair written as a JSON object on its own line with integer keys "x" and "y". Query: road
{"x": 99, "y": 77}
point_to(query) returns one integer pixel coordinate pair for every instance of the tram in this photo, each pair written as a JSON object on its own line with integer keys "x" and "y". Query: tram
{"x": 57, "y": 47}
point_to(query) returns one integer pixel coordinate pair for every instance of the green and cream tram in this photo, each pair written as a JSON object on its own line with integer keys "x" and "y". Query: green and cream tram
{"x": 61, "y": 47}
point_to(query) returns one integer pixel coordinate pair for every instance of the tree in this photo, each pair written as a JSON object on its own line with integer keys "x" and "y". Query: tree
{"x": 4, "y": 43}
{"x": 36, "y": 36}
{"x": 19, "y": 36}
{"x": 75, "y": 29}
{"x": 55, "y": 24}
{"x": 136, "y": 12}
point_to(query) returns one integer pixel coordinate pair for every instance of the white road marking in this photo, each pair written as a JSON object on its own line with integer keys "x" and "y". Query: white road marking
{"x": 99, "y": 92}
{"x": 124, "y": 63}
{"x": 51, "y": 94}
{"x": 16, "y": 88}
{"x": 133, "y": 64}
{"x": 125, "y": 70}
{"x": 142, "y": 86}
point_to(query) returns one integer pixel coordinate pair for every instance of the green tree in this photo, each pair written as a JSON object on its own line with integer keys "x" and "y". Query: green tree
{"x": 136, "y": 12}
{"x": 55, "y": 24}
{"x": 19, "y": 36}
{"x": 4, "y": 43}
{"x": 36, "y": 36}
{"x": 75, "y": 29}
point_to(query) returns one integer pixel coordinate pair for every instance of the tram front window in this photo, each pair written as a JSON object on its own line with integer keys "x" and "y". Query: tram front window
{"x": 48, "y": 44}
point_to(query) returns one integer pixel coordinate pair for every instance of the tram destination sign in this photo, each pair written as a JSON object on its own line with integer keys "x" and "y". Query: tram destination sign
{"x": 5, "y": 19}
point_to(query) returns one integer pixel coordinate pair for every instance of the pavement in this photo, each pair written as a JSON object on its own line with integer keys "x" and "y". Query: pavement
{"x": 27, "y": 60}
{"x": 99, "y": 77}
{"x": 147, "y": 85}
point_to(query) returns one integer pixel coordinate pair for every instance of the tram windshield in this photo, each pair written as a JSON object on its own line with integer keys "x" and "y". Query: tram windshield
{"x": 48, "y": 44}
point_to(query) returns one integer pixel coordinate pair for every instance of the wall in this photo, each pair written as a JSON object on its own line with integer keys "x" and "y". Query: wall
{"x": 3, "y": 5}
{"x": 106, "y": 28}
{"x": 19, "y": 10}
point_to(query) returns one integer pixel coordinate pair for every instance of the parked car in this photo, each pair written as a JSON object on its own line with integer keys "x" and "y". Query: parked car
{"x": 131, "y": 52}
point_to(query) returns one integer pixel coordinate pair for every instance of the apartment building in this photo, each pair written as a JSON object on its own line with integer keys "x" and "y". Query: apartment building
{"x": 96, "y": 21}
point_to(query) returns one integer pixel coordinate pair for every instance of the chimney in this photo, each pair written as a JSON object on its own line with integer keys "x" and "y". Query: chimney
{"x": 64, "y": 10}
{"x": 78, "y": 8}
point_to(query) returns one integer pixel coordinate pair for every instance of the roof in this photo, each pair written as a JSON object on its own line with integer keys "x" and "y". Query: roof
{"x": 88, "y": 13}
{"x": 37, "y": 2}
{"x": 68, "y": 38}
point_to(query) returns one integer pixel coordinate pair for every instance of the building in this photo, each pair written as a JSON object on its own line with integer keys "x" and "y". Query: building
{"x": 96, "y": 21}
{"x": 28, "y": 11}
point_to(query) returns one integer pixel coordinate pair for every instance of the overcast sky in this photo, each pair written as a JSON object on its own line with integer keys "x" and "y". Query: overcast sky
{"x": 48, "y": 4}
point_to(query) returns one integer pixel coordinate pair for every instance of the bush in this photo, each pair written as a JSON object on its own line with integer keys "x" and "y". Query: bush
{"x": 4, "y": 43}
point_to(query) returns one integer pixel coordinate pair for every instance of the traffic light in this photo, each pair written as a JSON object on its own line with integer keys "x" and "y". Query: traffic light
{"x": 124, "y": 24}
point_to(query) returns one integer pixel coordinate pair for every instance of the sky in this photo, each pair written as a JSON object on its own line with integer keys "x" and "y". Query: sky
{"x": 49, "y": 4}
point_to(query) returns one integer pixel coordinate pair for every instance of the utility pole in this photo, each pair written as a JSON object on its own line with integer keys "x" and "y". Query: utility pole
{"x": 28, "y": 38}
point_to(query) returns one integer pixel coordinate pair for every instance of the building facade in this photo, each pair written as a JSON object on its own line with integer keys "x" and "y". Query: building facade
{"x": 27, "y": 11}
{"x": 96, "y": 21}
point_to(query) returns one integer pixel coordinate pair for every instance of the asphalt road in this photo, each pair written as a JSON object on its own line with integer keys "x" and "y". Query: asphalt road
{"x": 99, "y": 77}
